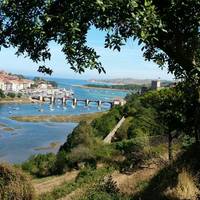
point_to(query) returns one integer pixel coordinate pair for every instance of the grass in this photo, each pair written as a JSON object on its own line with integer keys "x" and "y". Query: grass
{"x": 85, "y": 180}
{"x": 2, "y": 125}
{"x": 14, "y": 100}
{"x": 58, "y": 118}
{"x": 52, "y": 145}
{"x": 8, "y": 129}
{"x": 176, "y": 181}
{"x": 186, "y": 187}
{"x": 5, "y": 128}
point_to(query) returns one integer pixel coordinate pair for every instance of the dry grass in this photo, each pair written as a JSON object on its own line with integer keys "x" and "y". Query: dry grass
{"x": 8, "y": 129}
{"x": 14, "y": 184}
{"x": 47, "y": 185}
{"x": 52, "y": 145}
{"x": 15, "y": 100}
{"x": 186, "y": 188}
{"x": 133, "y": 183}
{"x": 2, "y": 125}
{"x": 58, "y": 118}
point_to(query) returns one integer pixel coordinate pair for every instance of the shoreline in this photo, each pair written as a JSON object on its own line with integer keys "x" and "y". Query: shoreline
{"x": 99, "y": 88}
{"x": 58, "y": 118}
{"x": 18, "y": 101}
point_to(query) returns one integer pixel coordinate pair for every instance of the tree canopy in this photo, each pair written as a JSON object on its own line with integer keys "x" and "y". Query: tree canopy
{"x": 168, "y": 30}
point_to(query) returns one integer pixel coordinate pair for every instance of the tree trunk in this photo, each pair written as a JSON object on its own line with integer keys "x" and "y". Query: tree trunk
{"x": 170, "y": 154}
{"x": 197, "y": 115}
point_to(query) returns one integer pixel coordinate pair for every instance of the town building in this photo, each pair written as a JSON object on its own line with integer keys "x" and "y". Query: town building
{"x": 12, "y": 83}
{"x": 155, "y": 85}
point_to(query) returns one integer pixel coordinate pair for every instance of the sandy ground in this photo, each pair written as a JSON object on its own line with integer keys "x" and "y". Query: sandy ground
{"x": 58, "y": 118}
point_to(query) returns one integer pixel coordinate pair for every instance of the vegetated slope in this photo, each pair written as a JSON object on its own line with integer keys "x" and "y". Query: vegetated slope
{"x": 46, "y": 185}
{"x": 136, "y": 154}
{"x": 178, "y": 181}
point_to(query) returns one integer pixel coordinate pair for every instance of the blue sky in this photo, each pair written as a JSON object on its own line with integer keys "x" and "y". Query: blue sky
{"x": 128, "y": 63}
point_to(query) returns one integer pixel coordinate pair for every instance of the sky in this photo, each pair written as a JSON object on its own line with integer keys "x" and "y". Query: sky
{"x": 128, "y": 63}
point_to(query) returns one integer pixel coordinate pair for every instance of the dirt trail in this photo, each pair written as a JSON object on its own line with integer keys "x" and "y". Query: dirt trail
{"x": 74, "y": 194}
{"x": 130, "y": 184}
{"x": 50, "y": 184}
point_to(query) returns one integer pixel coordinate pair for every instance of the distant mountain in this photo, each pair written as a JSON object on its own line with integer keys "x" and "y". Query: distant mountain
{"x": 124, "y": 81}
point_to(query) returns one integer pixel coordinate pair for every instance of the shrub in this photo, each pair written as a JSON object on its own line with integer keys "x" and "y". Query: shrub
{"x": 19, "y": 95}
{"x": 107, "y": 122}
{"x": 135, "y": 153}
{"x": 122, "y": 132}
{"x": 61, "y": 162}
{"x": 109, "y": 185}
{"x": 40, "y": 165}
{"x": 14, "y": 184}
{"x": 11, "y": 95}
{"x": 2, "y": 95}
{"x": 105, "y": 189}
{"x": 81, "y": 156}
{"x": 82, "y": 134}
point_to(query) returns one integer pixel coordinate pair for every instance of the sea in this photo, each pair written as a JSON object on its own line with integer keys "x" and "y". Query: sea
{"x": 20, "y": 140}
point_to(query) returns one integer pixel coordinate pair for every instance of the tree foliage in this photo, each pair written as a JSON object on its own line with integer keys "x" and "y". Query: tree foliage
{"x": 2, "y": 95}
{"x": 81, "y": 135}
{"x": 107, "y": 122}
{"x": 168, "y": 30}
{"x": 40, "y": 165}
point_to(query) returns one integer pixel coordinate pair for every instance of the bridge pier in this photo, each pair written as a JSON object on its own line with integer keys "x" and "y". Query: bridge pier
{"x": 99, "y": 103}
{"x": 41, "y": 98}
{"x": 63, "y": 101}
{"x": 112, "y": 104}
{"x": 74, "y": 102}
{"x": 52, "y": 100}
{"x": 87, "y": 102}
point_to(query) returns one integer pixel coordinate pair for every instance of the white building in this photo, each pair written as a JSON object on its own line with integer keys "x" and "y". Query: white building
{"x": 2, "y": 85}
{"x": 155, "y": 84}
{"x": 8, "y": 86}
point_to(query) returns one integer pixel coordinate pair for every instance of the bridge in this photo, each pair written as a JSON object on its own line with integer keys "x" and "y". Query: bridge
{"x": 52, "y": 99}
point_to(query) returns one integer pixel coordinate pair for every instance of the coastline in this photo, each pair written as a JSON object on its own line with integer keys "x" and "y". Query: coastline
{"x": 58, "y": 118}
{"x": 18, "y": 101}
{"x": 98, "y": 88}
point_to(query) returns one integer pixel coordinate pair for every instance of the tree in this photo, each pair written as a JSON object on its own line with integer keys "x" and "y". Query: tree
{"x": 2, "y": 95}
{"x": 81, "y": 135}
{"x": 168, "y": 31}
{"x": 169, "y": 104}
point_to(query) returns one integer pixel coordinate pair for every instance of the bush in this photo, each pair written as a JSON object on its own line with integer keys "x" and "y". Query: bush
{"x": 135, "y": 153}
{"x": 105, "y": 189}
{"x": 19, "y": 95}
{"x": 122, "y": 132}
{"x": 14, "y": 184}
{"x": 11, "y": 95}
{"x": 107, "y": 122}
{"x": 82, "y": 134}
{"x": 61, "y": 162}
{"x": 40, "y": 165}
{"x": 2, "y": 95}
{"x": 81, "y": 156}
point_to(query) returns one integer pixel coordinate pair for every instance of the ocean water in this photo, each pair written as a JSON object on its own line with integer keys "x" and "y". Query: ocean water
{"x": 20, "y": 140}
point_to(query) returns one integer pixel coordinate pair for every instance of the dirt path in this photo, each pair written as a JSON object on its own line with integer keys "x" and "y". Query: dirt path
{"x": 74, "y": 194}
{"x": 50, "y": 184}
{"x": 130, "y": 184}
